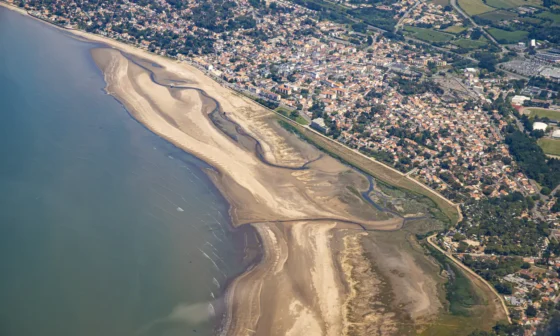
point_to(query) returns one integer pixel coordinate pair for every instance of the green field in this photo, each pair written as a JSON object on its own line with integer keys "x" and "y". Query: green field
{"x": 550, "y": 146}
{"x": 470, "y": 44}
{"x": 428, "y": 35}
{"x": 505, "y": 4}
{"x": 287, "y": 113}
{"x": 499, "y": 15}
{"x": 507, "y": 37}
{"x": 542, "y": 113}
{"x": 474, "y": 7}
{"x": 455, "y": 29}
{"x": 550, "y": 16}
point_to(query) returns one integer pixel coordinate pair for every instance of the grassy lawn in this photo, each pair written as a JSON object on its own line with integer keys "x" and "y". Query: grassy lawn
{"x": 455, "y": 29}
{"x": 474, "y": 7}
{"x": 470, "y": 44}
{"x": 428, "y": 35}
{"x": 287, "y": 113}
{"x": 512, "y": 3}
{"x": 550, "y": 146}
{"x": 550, "y": 114}
{"x": 507, "y": 37}
{"x": 499, "y": 15}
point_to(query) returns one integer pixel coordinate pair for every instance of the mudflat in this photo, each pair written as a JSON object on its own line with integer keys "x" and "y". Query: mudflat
{"x": 299, "y": 200}
{"x": 326, "y": 269}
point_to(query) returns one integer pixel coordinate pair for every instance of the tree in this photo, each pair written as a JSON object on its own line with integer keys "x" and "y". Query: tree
{"x": 531, "y": 311}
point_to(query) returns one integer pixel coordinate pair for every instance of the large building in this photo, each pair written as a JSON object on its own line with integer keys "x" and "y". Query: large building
{"x": 539, "y": 126}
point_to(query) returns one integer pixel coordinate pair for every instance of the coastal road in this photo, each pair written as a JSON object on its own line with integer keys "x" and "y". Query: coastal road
{"x": 471, "y": 272}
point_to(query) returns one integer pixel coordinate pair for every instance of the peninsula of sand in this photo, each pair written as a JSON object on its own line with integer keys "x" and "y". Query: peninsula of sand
{"x": 326, "y": 270}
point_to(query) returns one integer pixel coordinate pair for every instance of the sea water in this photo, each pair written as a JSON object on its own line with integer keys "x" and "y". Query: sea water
{"x": 105, "y": 229}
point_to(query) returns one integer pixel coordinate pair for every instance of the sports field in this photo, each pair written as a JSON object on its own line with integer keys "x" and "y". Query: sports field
{"x": 550, "y": 146}
{"x": 542, "y": 113}
{"x": 474, "y": 7}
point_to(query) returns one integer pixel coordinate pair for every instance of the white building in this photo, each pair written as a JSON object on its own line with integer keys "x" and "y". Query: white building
{"x": 518, "y": 100}
{"x": 539, "y": 126}
{"x": 556, "y": 134}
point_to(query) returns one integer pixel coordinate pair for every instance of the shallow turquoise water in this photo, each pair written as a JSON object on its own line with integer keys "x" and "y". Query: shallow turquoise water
{"x": 105, "y": 229}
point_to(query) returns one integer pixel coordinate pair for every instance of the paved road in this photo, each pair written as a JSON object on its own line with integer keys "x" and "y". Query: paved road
{"x": 397, "y": 26}
{"x": 465, "y": 15}
{"x": 473, "y": 273}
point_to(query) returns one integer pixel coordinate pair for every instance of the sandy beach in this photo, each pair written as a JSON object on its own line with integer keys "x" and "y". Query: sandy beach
{"x": 303, "y": 216}
{"x": 320, "y": 273}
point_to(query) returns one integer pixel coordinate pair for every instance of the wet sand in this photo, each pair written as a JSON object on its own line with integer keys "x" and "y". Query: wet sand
{"x": 305, "y": 216}
{"x": 329, "y": 266}
{"x": 316, "y": 276}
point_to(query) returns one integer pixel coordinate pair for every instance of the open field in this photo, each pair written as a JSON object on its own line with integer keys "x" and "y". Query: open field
{"x": 499, "y": 15}
{"x": 287, "y": 113}
{"x": 428, "y": 35}
{"x": 512, "y": 3}
{"x": 543, "y": 113}
{"x": 550, "y": 146}
{"x": 375, "y": 169}
{"x": 551, "y": 17}
{"x": 474, "y": 7}
{"x": 470, "y": 44}
{"x": 455, "y": 29}
{"x": 507, "y": 37}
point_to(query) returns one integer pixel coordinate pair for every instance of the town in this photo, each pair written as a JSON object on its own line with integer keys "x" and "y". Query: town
{"x": 457, "y": 124}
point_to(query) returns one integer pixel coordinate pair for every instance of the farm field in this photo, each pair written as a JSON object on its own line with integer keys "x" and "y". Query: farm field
{"x": 550, "y": 16}
{"x": 507, "y": 37}
{"x": 550, "y": 146}
{"x": 470, "y": 44}
{"x": 542, "y": 113}
{"x": 474, "y": 7}
{"x": 454, "y": 29}
{"x": 499, "y": 15}
{"x": 505, "y": 4}
{"x": 428, "y": 35}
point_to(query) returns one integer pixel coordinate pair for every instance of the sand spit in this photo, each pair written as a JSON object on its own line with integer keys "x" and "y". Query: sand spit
{"x": 300, "y": 286}
{"x": 301, "y": 214}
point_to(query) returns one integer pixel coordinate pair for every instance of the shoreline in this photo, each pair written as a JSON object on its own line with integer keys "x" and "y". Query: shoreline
{"x": 285, "y": 207}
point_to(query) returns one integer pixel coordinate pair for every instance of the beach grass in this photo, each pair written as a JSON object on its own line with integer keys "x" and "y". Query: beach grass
{"x": 474, "y": 7}
{"x": 468, "y": 307}
{"x": 550, "y": 146}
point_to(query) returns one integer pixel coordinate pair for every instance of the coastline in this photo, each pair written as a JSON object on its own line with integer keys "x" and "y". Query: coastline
{"x": 299, "y": 219}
